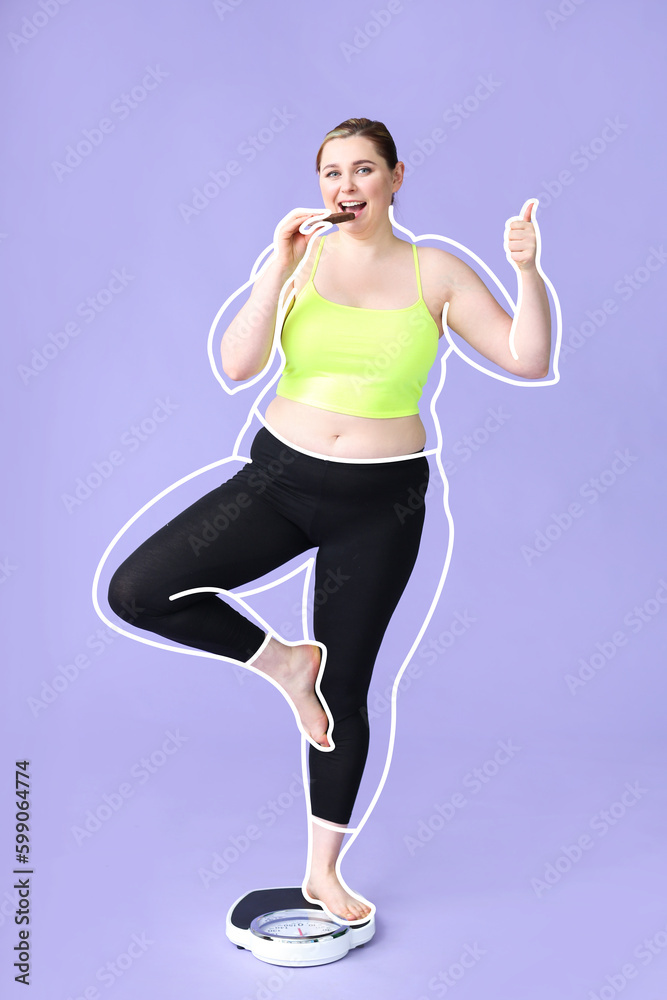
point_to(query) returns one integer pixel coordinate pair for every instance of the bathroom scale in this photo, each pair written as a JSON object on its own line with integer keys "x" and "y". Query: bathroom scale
{"x": 281, "y": 927}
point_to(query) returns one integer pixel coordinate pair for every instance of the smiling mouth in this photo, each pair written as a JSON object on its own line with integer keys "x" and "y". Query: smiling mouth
{"x": 357, "y": 208}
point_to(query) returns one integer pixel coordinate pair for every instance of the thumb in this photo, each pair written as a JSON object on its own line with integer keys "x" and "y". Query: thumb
{"x": 528, "y": 209}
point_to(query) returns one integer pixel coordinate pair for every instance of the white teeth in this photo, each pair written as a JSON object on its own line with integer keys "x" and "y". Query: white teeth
{"x": 352, "y": 204}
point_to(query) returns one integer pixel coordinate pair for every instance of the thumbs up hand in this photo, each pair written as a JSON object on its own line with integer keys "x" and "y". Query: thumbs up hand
{"x": 521, "y": 238}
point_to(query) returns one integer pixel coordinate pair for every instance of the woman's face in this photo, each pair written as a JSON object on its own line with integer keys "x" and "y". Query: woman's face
{"x": 352, "y": 170}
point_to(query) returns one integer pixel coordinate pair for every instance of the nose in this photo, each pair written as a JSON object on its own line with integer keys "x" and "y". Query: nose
{"x": 348, "y": 185}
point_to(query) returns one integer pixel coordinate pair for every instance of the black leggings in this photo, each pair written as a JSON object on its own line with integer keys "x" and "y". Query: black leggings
{"x": 366, "y": 519}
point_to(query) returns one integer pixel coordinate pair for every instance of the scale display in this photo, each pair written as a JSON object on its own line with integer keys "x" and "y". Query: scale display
{"x": 281, "y": 927}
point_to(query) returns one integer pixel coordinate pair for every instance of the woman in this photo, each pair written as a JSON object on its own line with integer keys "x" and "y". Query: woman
{"x": 341, "y": 448}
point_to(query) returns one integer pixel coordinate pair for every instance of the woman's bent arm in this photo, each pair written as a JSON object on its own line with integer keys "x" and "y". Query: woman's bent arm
{"x": 475, "y": 314}
{"x": 247, "y": 341}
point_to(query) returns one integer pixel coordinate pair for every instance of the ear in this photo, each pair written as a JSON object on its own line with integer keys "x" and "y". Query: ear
{"x": 399, "y": 174}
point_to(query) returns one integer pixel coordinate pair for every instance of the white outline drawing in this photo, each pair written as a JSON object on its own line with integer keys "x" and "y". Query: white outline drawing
{"x": 262, "y": 261}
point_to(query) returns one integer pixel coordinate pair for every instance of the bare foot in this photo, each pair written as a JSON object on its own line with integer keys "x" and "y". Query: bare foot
{"x": 326, "y": 888}
{"x": 295, "y": 670}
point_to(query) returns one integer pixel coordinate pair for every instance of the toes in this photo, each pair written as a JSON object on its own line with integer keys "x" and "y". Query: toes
{"x": 321, "y": 737}
{"x": 351, "y": 910}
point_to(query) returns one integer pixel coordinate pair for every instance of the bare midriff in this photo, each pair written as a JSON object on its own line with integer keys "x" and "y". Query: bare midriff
{"x": 344, "y": 435}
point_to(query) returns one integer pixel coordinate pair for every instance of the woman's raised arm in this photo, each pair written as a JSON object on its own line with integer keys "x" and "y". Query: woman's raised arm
{"x": 475, "y": 314}
{"x": 248, "y": 340}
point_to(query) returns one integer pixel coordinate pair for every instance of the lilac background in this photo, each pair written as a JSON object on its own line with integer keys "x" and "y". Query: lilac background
{"x": 227, "y": 66}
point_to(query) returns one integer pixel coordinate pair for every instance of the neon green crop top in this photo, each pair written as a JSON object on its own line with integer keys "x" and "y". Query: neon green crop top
{"x": 365, "y": 362}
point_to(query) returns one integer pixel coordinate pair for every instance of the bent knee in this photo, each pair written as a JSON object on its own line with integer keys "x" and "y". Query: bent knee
{"x": 125, "y": 598}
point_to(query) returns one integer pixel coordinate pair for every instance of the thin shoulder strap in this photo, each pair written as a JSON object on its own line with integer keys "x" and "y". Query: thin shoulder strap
{"x": 419, "y": 283}
{"x": 317, "y": 257}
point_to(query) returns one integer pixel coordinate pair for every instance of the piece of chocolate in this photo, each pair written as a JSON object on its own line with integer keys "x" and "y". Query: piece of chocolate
{"x": 339, "y": 217}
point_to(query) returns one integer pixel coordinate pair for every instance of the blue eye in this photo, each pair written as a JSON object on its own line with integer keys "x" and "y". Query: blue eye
{"x": 332, "y": 172}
